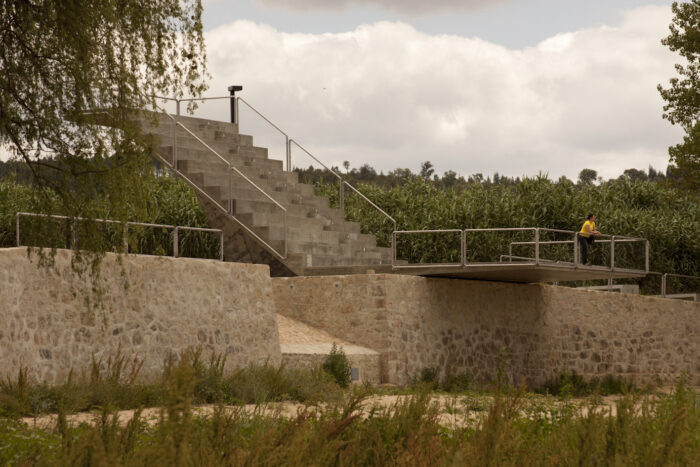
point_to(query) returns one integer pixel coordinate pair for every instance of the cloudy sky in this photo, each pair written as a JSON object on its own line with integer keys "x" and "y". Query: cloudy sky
{"x": 510, "y": 86}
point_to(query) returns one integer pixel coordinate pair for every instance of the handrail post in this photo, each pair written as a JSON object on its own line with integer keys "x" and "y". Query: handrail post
{"x": 176, "y": 242}
{"x": 393, "y": 248}
{"x": 221, "y": 244}
{"x": 463, "y": 247}
{"x": 17, "y": 227}
{"x": 177, "y": 107}
{"x": 342, "y": 197}
{"x": 537, "y": 246}
{"x": 612, "y": 253}
{"x": 230, "y": 191}
{"x": 663, "y": 284}
{"x": 285, "y": 234}
{"x": 288, "y": 153}
{"x": 126, "y": 237}
{"x": 646, "y": 256}
{"x": 610, "y": 283}
{"x": 575, "y": 250}
{"x": 510, "y": 252}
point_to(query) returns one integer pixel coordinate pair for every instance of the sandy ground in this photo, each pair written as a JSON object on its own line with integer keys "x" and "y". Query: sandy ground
{"x": 454, "y": 410}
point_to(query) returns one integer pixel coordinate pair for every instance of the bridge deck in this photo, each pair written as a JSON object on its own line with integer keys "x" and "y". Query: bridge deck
{"x": 506, "y": 272}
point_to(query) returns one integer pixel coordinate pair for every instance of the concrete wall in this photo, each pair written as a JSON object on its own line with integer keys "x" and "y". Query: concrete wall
{"x": 459, "y": 325}
{"x": 169, "y": 305}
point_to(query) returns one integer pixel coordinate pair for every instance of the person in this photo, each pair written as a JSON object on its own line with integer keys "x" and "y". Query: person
{"x": 585, "y": 236}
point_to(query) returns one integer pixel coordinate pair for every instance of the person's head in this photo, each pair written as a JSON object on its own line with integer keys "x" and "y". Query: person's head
{"x": 591, "y": 217}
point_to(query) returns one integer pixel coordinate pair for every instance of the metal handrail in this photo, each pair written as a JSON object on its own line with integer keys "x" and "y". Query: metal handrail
{"x": 229, "y": 211}
{"x": 288, "y": 149}
{"x": 537, "y": 243}
{"x": 126, "y": 225}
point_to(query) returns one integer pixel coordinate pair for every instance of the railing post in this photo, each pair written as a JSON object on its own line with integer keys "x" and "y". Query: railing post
{"x": 510, "y": 252}
{"x": 575, "y": 249}
{"x": 342, "y": 197}
{"x": 393, "y": 248}
{"x": 285, "y": 234}
{"x": 17, "y": 227}
{"x": 663, "y": 284}
{"x": 463, "y": 247}
{"x": 610, "y": 283}
{"x": 175, "y": 144}
{"x": 612, "y": 253}
{"x": 230, "y": 191}
{"x": 646, "y": 256}
{"x": 537, "y": 246}
{"x": 126, "y": 237}
{"x": 176, "y": 242}
{"x": 177, "y": 107}
{"x": 288, "y": 150}
{"x": 221, "y": 244}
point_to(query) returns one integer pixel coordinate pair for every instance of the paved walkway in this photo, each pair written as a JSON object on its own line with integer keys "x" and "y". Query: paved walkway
{"x": 299, "y": 338}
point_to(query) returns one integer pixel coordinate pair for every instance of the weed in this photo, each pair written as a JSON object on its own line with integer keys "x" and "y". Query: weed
{"x": 338, "y": 366}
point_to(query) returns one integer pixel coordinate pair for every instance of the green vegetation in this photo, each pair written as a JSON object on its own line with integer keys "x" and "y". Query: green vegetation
{"x": 118, "y": 386}
{"x": 171, "y": 202}
{"x": 574, "y": 385}
{"x": 513, "y": 428}
{"x": 64, "y": 61}
{"x": 338, "y": 366}
{"x": 683, "y": 95}
{"x": 667, "y": 217}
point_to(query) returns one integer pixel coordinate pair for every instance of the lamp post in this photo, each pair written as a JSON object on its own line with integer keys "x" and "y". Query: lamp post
{"x": 232, "y": 90}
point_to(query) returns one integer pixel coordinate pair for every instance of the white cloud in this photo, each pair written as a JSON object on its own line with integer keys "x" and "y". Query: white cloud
{"x": 410, "y": 7}
{"x": 391, "y": 96}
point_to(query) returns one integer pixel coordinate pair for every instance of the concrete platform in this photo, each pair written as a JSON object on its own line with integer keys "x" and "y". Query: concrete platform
{"x": 521, "y": 272}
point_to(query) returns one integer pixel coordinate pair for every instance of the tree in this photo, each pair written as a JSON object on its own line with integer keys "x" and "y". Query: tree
{"x": 683, "y": 95}
{"x": 587, "y": 176}
{"x": 73, "y": 75}
{"x": 346, "y": 165}
{"x": 426, "y": 170}
{"x": 635, "y": 174}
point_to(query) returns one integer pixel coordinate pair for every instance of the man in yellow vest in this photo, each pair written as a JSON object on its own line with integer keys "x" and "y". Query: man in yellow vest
{"x": 585, "y": 236}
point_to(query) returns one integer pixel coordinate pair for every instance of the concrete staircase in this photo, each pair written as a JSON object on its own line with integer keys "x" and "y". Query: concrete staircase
{"x": 316, "y": 239}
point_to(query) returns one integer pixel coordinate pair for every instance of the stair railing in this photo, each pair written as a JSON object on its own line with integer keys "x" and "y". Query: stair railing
{"x": 288, "y": 150}
{"x": 229, "y": 210}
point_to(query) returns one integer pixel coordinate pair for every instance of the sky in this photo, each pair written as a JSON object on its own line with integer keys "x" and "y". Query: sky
{"x": 518, "y": 87}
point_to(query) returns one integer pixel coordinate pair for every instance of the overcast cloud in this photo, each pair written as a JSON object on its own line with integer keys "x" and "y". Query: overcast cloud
{"x": 391, "y": 96}
{"x": 409, "y": 7}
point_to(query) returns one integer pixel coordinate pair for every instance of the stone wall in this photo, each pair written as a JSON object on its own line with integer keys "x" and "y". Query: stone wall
{"x": 53, "y": 322}
{"x": 533, "y": 331}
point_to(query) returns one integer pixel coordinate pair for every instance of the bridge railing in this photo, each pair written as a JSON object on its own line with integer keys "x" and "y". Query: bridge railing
{"x": 514, "y": 247}
{"x": 71, "y": 231}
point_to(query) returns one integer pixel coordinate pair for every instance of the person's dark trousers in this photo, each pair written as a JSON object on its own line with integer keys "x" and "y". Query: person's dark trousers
{"x": 583, "y": 246}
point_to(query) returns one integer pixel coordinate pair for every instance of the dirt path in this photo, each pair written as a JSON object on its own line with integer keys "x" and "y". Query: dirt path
{"x": 454, "y": 411}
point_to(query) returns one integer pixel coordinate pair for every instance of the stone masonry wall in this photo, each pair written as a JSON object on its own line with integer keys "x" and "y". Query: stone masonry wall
{"x": 169, "y": 305}
{"x": 533, "y": 331}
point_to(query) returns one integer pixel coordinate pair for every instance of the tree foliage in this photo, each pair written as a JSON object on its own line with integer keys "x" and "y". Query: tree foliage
{"x": 72, "y": 74}
{"x": 683, "y": 95}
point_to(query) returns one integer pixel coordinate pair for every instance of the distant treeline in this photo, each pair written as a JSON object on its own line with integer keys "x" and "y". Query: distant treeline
{"x": 450, "y": 179}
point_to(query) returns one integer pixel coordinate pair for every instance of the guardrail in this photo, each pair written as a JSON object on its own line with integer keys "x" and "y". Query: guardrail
{"x": 600, "y": 238}
{"x": 537, "y": 242}
{"x": 231, "y": 169}
{"x": 125, "y": 247}
{"x": 289, "y": 142}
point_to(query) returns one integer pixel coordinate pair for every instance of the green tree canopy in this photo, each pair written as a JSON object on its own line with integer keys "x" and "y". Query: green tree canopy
{"x": 61, "y": 60}
{"x": 683, "y": 95}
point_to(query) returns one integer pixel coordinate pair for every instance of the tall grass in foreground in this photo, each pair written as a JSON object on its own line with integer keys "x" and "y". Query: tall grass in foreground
{"x": 654, "y": 431}
{"x": 115, "y": 385}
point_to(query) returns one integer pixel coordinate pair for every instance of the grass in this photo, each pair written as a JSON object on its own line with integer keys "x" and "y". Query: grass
{"x": 509, "y": 426}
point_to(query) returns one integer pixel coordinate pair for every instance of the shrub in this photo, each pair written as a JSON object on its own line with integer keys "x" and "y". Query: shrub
{"x": 338, "y": 366}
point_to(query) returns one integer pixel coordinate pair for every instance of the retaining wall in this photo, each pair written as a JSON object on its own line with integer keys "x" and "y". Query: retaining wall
{"x": 170, "y": 304}
{"x": 533, "y": 331}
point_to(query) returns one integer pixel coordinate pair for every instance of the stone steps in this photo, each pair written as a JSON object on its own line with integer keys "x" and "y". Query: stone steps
{"x": 315, "y": 237}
